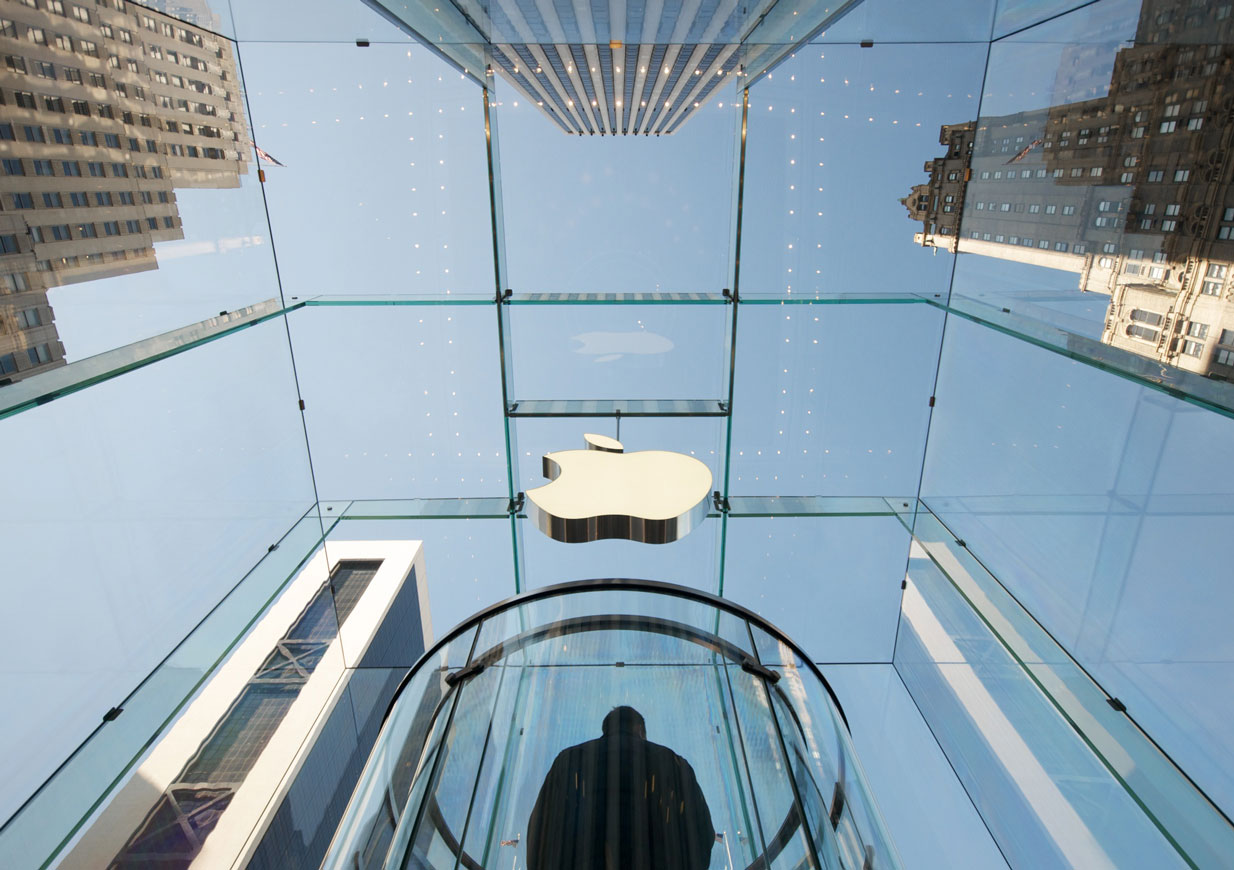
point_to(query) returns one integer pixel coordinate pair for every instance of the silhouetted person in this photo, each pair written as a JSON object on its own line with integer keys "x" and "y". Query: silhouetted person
{"x": 620, "y": 802}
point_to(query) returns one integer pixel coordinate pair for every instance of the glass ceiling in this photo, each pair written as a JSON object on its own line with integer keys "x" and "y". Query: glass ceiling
{"x": 290, "y": 269}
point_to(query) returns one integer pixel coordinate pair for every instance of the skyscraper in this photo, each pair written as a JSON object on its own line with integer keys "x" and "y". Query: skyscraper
{"x": 110, "y": 108}
{"x": 1133, "y": 190}
{"x": 615, "y": 68}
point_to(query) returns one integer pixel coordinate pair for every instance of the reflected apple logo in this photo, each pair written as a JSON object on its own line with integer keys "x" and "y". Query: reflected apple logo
{"x": 651, "y": 496}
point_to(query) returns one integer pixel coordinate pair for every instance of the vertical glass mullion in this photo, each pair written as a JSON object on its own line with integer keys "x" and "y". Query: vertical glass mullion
{"x": 811, "y": 844}
{"x": 756, "y": 833}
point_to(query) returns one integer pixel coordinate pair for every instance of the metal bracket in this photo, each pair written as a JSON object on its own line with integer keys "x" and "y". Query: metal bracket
{"x": 752, "y": 667}
{"x": 1117, "y": 704}
{"x": 112, "y": 714}
{"x": 720, "y": 503}
{"x": 515, "y": 505}
{"x": 837, "y": 804}
{"x": 456, "y": 677}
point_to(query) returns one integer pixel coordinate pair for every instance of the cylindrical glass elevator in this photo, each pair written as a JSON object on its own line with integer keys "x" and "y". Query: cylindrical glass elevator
{"x": 613, "y": 723}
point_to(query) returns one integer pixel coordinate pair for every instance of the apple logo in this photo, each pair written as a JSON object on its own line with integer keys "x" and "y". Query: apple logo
{"x": 651, "y": 496}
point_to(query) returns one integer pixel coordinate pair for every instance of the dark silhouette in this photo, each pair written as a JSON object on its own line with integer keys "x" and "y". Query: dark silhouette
{"x": 620, "y": 802}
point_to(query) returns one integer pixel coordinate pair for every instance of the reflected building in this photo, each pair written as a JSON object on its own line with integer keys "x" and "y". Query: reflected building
{"x": 257, "y": 770}
{"x": 107, "y": 109}
{"x": 613, "y": 68}
{"x": 1133, "y": 190}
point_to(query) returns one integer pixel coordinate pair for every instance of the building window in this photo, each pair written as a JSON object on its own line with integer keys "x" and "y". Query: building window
{"x": 52, "y": 200}
{"x": 1106, "y": 262}
{"x": 1193, "y": 348}
{"x": 1227, "y": 336}
{"x": 8, "y": 244}
{"x": 42, "y": 167}
{"x": 1109, "y": 248}
{"x": 1139, "y": 315}
{"x": 1168, "y": 126}
{"x": 23, "y": 200}
{"x": 87, "y": 231}
{"x": 28, "y": 318}
{"x": 61, "y": 233}
{"x": 1195, "y": 123}
{"x": 1051, "y": 209}
{"x": 1157, "y": 273}
{"x": 1034, "y": 208}
{"x": 1225, "y": 357}
{"x": 1172, "y": 209}
{"x": 1060, "y": 246}
{"x": 1142, "y": 332}
{"x": 111, "y": 228}
{"x": 1181, "y": 175}
{"x": 1169, "y": 226}
{"x": 1197, "y": 330}
{"x": 40, "y": 353}
{"x": 1080, "y": 248}
{"x": 1069, "y": 209}
{"x": 1215, "y": 270}
{"x": 1156, "y": 175}
{"x": 1095, "y": 171}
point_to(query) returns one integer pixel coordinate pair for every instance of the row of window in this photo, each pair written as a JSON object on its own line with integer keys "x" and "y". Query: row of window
{"x": 1154, "y": 176}
{"x": 66, "y": 232}
{"x": 46, "y": 70}
{"x": 1044, "y": 244}
{"x": 67, "y": 168}
{"x": 64, "y": 136}
{"x": 102, "y": 199}
{"x": 28, "y": 100}
{"x": 1018, "y": 207}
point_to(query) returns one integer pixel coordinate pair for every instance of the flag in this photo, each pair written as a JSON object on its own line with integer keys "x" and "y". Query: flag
{"x": 266, "y": 157}
{"x": 1016, "y": 159}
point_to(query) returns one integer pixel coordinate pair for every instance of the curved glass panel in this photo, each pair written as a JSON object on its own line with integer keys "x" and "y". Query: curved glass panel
{"x": 626, "y": 719}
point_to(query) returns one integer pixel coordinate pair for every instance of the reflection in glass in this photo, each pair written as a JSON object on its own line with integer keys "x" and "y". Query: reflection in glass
{"x": 517, "y": 776}
{"x": 1124, "y": 183}
{"x": 106, "y": 112}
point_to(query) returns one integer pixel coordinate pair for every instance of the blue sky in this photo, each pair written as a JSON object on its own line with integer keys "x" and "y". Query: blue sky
{"x": 385, "y": 192}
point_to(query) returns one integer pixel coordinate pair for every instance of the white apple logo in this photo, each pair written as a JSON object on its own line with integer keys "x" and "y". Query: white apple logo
{"x": 651, "y": 496}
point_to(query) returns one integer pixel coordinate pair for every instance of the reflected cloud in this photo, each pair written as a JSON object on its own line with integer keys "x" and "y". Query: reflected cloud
{"x": 612, "y": 346}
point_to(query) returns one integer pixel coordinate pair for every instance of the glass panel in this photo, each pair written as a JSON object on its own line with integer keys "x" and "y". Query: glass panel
{"x": 831, "y": 583}
{"x": 800, "y": 427}
{"x": 1014, "y": 15}
{"x": 626, "y": 214}
{"x": 428, "y": 508}
{"x": 929, "y": 813}
{"x": 1044, "y": 795}
{"x": 809, "y": 506}
{"x": 67, "y": 798}
{"x": 631, "y": 352}
{"x": 469, "y": 562}
{"x": 1083, "y": 494}
{"x": 425, "y": 421}
{"x": 410, "y": 205}
{"x": 55, "y": 382}
{"x": 823, "y": 215}
{"x": 132, "y": 208}
{"x": 1090, "y": 203}
{"x": 310, "y": 21}
{"x": 196, "y": 485}
{"x": 906, "y": 21}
